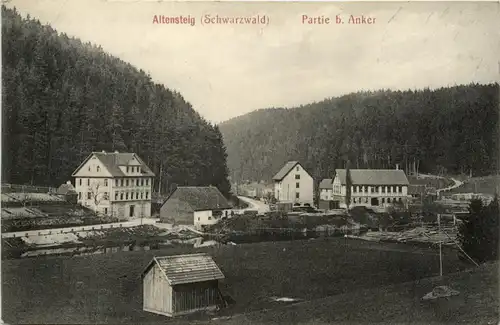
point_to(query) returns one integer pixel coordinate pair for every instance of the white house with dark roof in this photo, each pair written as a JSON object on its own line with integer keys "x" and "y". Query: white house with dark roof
{"x": 326, "y": 189}
{"x": 181, "y": 284}
{"x": 372, "y": 187}
{"x": 195, "y": 205}
{"x": 115, "y": 183}
{"x": 293, "y": 184}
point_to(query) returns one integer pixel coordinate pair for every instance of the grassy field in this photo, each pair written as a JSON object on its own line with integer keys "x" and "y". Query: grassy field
{"x": 107, "y": 288}
{"x": 487, "y": 185}
{"x": 396, "y": 304}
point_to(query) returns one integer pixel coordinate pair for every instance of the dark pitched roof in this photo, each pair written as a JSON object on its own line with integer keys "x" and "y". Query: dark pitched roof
{"x": 285, "y": 170}
{"x": 189, "y": 268}
{"x": 66, "y": 189}
{"x": 200, "y": 197}
{"x": 374, "y": 176}
{"x": 327, "y": 183}
{"x": 112, "y": 161}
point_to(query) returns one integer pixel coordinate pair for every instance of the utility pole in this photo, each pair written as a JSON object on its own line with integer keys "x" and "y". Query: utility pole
{"x": 159, "y": 181}
{"x": 440, "y": 248}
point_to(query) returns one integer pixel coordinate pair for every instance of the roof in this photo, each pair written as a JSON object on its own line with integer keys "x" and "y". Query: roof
{"x": 374, "y": 176}
{"x": 327, "y": 183}
{"x": 285, "y": 170}
{"x": 112, "y": 161}
{"x": 200, "y": 198}
{"x": 189, "y": 268}
{"x": 66, "y": 189}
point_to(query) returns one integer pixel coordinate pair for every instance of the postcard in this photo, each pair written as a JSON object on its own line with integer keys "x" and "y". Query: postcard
{"x": 250, "y": 162}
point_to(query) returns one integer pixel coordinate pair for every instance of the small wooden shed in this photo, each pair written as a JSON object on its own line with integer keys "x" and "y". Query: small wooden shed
{"x": 181, "y": 284}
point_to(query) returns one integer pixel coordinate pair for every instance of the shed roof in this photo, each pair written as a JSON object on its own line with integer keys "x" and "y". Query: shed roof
{"x": 200, "y": 198}
{"x": 66, "y": 188}
{"x": 112, "y": 161}
{"x": 374, "y": 176}
{"x": 189, "y": 268}
{"x": 285, "y": 170}
{"x": 327, "y": 183}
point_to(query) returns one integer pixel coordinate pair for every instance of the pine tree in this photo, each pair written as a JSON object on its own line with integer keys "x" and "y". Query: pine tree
{"x": 348, "y": 184}
{"x": 479, "y": 232}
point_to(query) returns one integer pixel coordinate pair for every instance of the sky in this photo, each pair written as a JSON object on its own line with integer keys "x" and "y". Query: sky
{"x": 229, "y": 70}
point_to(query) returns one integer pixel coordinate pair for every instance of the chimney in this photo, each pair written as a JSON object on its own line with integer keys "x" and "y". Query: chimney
{"x": 397, "y": 166}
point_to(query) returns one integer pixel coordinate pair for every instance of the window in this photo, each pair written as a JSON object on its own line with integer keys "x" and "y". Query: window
{"x": 297, "y": 195}
{"x": 80, "y": 181}
{"x": 400, "y": 200}
{"x": 116, "y": 196}
{"x": 137, "y": 182}
{"x": 297, "y": 176}
{"x": 147, "y": 181}
{"x": 297, "y": 168}
{"x": 126, "y": 182}
{"x": 297, "y": 185}
{"x": 127, "y": 169}
{"x": 88, "y": 182}
{"x": 209, "y": 218}
{"x": 89, "y": 196}
{"x": 105, "y": 210}
{"x": 389, "y": 189}
{"x": 121, "y": 196}
{"x": 373, "y": 189}
{"x": 383, "y": 200}
{"x": 383, "y": 190}
{"x": 121, "y": 182}
{"x": 147, "y": 194}
{"x": 105, "y": 182}
{"x": 142, "y": 182}
{"x": 89, "y": 167}
{"x": 79, "y": 195}
{"x": 400, "y": 189}
{"x": 142, "y": 195}
{"x": 389, "y": 200}
{"x": 106, "y": 195}
{"x": 116, "y": 182}
{"x": 198, "y": 218}
{"x": 126, "y": 196}
{"x": 98, "y": 168}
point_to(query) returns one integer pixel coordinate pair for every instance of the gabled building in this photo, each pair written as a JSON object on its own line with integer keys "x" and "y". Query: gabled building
{"x": 195, "y": 205}
{"x": 293, "y": 184}
{"x": 372, "y": 187}
{"x": 181, "y": 284}
{"x": 326, "y": 189}
{"x": 115, "y": 183}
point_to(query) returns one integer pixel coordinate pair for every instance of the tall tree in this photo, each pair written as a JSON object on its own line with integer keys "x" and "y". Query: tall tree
{"x": 479, "y": 232}
{"x": 348, "y": 184}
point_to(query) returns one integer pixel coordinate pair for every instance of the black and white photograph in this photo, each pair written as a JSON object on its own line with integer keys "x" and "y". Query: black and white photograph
{"x": 248, "y": 163}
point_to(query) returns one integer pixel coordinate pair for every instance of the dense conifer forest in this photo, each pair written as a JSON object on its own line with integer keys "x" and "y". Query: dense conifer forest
{"x": 63, "y": 99}
{"x": 444, "y": 131}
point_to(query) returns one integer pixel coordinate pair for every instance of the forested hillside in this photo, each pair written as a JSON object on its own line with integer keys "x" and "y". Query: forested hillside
{"x": 449, "y": 130}
{"x": 63, "y": 99}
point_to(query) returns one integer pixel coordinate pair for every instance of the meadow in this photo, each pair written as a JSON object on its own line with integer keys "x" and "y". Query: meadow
{"x": 108, "y": 289}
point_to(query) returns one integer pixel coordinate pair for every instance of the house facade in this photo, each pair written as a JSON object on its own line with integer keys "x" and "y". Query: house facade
{"x": 115, "y": 184}
{"x": 293, "y": 184}
{"x": 374, "y": 188}
{"x": 326, "y": 189}
{"x": 181, "y": 284}
{"x": 195, "y": 205}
